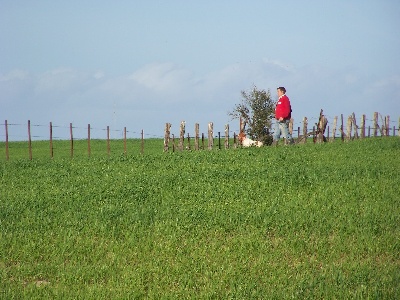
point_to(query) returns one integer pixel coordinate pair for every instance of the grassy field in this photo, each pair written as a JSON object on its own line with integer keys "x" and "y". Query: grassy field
{"x": 305, "y": 221}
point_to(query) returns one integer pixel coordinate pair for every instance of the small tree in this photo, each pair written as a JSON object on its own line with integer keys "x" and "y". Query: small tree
{"x": 256, "y": 111}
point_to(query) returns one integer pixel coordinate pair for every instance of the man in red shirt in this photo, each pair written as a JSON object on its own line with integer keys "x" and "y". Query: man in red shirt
{"x": 283, "y": 113}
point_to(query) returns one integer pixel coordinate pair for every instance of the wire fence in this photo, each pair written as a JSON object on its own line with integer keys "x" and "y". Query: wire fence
{"x": 334, "y": 127}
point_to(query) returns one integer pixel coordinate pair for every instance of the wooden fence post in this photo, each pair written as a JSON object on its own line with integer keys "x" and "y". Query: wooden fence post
{"x": 196, "y": 138}
{"x": 29, "y": 140}
{"x": 363, "y": 126}
{"x": 398, "y": 128}
{"x": 188, "y": 139}
{"x": 384, "y": 127}
{"x": 108, "y": 141}
{"x": 167, "y": 133}
{"x": 313, "y": 134}
{"x": 242, "y": 125}
{"x": 305, "y": 125}
{"x": 341, "y": 128}
{"x": 375, "y": 124}
{"x": 173, "y": 142}
{"x": 322, "y": 127}
{"x": 382, "y": 130}
{"x": 124, "y": 140}
{"x": 349, "y": 126}
{"x": 387, "y": 125}
{"x": 72, "y": 140}
{"x": 291, "y": 126}
{"x": 210, "y": 135}
{"x": 234, "y": 140}
{"x": 7, "y": 152}
{"x": 88, "y": 138}
{"x": 142, "y": 144}
{"x": 219, "y": 140}
{"x": 355, "y": 125}
{"x": 182, "y": 135}
{"x": 226, "y": 136}
{"x": 51, "y": 140}
{"x": 334, "y": 128}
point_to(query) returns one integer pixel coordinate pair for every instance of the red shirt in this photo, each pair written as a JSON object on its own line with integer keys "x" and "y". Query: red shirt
{"x": 283, "y": 108}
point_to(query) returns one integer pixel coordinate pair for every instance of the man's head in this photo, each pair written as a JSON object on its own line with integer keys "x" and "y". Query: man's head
{"x": 281, "y": 91}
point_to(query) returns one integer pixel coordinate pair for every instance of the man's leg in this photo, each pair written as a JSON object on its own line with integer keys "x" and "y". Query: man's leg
{"x": 277, "y": 134}
{"x": 286, "y": 133}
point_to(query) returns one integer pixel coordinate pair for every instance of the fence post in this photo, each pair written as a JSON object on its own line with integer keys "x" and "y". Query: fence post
{"x": 7, "y": 153}
{"x": 182, "y": 135}
{"x": 382, "y": 130}
{"x": 349, "y": 126}
{"x": 387, "y": 125}
{"x": 241, "y": 125}
{"x": 142, "y": 144}
{"x": 173, "y": 142}
{"x": 291, "y": 121}
{"x": 124, "y": 140}
{"x": 322, "y": 127}
{"x": 355, "y": 125}
{"x": 108, "y": 141}
{"x": 384, "y": 127}
{"x": 29, "y": 140}
{"x": 313, "y": 134}
{"x": 51, "y": 140}
{"x": 305, "y": 125}
{"x": 398, "y": 128}
{"x": 210, "y": 135}
{"x": 88, "y": 138}
{"x": 72, "y": 140}
{"x": 167, "y": 132}
{"x": 363, "y": 126}
{"x": 226, "y": 136}
{"x": 341, "y": 128}
{"x": 188, "y": 139}
{"x": 234, "y": 140}
{"x": 334, "y": 128}
{"x": 375, "y": 124}
{"x": 196, "y": 138}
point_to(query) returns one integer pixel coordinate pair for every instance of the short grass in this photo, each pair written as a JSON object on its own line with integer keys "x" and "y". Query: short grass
{"x": 305, "y": 221}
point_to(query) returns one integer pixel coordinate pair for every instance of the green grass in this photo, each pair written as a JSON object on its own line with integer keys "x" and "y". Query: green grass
{"x": 305, "y": 221}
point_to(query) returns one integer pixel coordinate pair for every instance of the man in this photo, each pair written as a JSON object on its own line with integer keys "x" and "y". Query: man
{"x": 283, "y": 113}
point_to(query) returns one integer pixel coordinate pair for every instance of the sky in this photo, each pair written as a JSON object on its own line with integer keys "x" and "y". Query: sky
{"x": 141, "y": 64}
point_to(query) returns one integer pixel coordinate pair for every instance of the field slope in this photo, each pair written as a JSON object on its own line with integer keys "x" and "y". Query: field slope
{"x": 306, "y": 221}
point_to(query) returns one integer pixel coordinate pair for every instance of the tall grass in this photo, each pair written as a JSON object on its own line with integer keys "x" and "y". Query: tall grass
{"x": 308, "y": 221}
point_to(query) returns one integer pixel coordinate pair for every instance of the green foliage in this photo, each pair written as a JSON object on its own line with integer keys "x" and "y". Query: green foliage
{"x": 256, "y": 110}
{"x": 305, "y": 222}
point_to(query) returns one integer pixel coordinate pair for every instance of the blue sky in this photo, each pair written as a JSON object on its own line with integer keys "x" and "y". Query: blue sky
{"x": 140, "y": 64}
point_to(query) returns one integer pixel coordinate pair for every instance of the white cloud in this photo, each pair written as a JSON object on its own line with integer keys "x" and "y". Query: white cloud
{"x": 164, "y": 77}
{"x": 14, "y": 75}
{"x": 99, "y": 75}
{"x": 282, "y": 65}
{"x": 60, "y": 80}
